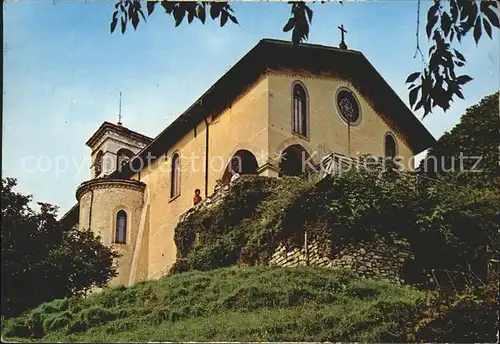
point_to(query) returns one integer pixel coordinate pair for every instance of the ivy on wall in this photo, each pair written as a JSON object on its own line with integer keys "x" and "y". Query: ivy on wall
{"x": 447, "y": 226}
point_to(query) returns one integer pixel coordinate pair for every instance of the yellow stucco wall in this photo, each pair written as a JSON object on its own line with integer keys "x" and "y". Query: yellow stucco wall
{"x": 241, "y": 126}
{"x": 326, "y": 128}
{"x": 258, "y": 121}
{"x": 100, "y": 202}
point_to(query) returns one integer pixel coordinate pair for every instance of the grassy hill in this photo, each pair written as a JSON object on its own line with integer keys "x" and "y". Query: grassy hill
{"x": 230, "y": 304}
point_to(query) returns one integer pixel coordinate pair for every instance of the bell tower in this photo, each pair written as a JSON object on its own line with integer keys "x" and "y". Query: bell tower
{"x": 111, "y": 146}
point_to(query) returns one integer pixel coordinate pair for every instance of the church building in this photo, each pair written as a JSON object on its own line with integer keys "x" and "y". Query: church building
{"x": 275, "y": 112}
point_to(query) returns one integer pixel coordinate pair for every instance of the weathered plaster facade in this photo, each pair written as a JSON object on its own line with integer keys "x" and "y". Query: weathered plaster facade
{"x": 327, "y": 129}
{"x": 100, "y": 200}
{"x": 108, "y": 141}
{"x": 256, "y": 119}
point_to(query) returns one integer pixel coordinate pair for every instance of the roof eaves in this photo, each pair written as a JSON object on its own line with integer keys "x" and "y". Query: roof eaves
{"x": 189, "y": 114}
{"x": 423, "y": 142}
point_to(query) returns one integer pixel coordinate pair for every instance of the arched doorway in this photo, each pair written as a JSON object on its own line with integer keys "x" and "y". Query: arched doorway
{"x": 295, "y": 161}
{"x": 243, "y": 162}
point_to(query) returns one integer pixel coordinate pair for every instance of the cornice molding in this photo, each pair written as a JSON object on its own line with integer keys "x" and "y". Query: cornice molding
{"x": 120, "y": 130}
{"x": 105, "y": 183}
{"x": 136, "y": 144}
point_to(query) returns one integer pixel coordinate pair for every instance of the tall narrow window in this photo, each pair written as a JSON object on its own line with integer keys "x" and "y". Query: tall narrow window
{"x": 98, "y": 164}
{"x": 175, "y": 176}
{"x": 121, "y": 227}
{"x": 390, "y": 146}
{"x": 299, "y": 110}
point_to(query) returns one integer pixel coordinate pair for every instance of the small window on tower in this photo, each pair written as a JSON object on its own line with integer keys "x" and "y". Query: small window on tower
{"x": 98, "y": 164}
{"x": 123, "y": 157}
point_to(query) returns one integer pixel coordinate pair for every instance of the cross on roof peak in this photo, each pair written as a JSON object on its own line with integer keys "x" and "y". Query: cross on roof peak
{"x": 342, "y": 44}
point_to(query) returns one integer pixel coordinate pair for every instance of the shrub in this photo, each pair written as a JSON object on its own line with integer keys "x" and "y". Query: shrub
{"x": 446, "y": 227}
{"x": 466, "y": 316}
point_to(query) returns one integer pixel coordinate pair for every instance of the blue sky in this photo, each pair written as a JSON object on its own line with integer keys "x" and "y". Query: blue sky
{"x": 63, "y": 72}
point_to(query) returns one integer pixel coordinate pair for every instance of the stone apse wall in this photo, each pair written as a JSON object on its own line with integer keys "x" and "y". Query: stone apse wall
{"x": 376, "y": 259}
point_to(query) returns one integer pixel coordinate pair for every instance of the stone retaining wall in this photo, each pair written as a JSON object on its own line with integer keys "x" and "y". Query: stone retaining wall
{"x": 377, "y": 259}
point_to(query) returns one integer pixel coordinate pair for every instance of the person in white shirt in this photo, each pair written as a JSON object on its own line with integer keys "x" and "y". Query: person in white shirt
{"x": 235, "y": 175}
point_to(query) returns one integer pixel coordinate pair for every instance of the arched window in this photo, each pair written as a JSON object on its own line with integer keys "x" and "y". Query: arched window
{"x": 299, "y": 110}
{"x": 122, "y": 157}
{"x": 390, "y": 146}
{"x": 121, "y": 227}
{"x": 98, "y": 164}
{"x": 175, "y": 176}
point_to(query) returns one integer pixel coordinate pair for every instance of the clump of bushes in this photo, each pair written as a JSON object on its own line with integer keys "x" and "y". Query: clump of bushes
{"x": 229, "y": 232}
{"x": 469, "y": 316}
{"x": 447, "y": 227}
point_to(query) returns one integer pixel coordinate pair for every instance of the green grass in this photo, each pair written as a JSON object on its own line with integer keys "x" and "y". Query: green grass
{"x": 230, "y": 304}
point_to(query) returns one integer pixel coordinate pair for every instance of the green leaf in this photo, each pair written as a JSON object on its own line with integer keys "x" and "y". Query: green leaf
{"x": 200, "y": 12}
{"x": 414, "y": 94}
{"x": 413, "y": 77}
{"x": 419, "y": 104}
{"x": 168, "y": 6}
{"x": 492, "y": 16}
{"x": 459, "y": 55}
{"x": 190, "y": 17}
{"x": 113, "y": 24}
{"x": 151, "y": 7}
{"x": 477, "y": 30}
{"x": 233, "y": 19}
{"x": 223, "y": 18}
{"x": 431, "y": 19}
{"x": 130, "y": 11}
{"x": 214, "y": 10}
{"x": 142, "y": 14}
{"x": 296, "y": 36}
{"x": 453, "y": 10}
{"x": 179, "y": 14}
{"x": 459, "y": 34}
{"x": 306, "y": 31}
{"x": 309, "y": 13}
{"x": 135, "y": 20}
{"x": 487, "y": 27}
{"x": 289, "y": 25}
{"x": 445, "y": 23}
{"x": 124, "y": 25}
{"x": 463, "y": 79}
